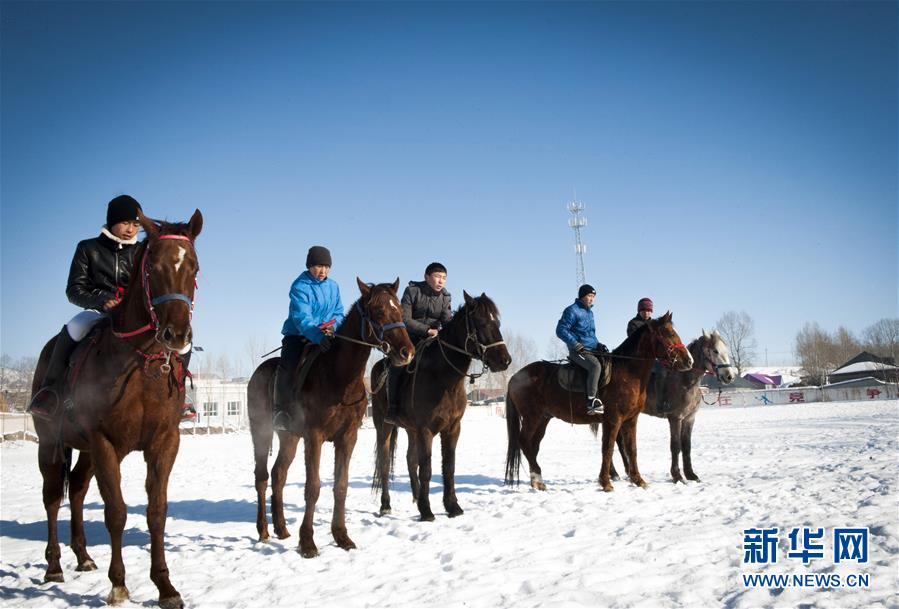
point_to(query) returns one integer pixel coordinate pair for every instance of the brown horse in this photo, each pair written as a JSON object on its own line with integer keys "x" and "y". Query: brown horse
{"x": 128, "y": 395}
{"x": 331, "y": 405}
{"x": 433, "y": 400}
{"x": 534, "y": 397}
{"x": 683, "y": 395}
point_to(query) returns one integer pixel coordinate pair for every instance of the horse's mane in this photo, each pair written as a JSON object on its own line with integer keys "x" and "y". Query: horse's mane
{"x": 630, "y": 343}
{"x": 482, "y": 302}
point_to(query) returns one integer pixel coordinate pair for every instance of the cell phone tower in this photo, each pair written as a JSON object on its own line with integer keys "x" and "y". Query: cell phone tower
{"x": 577, "y": 222}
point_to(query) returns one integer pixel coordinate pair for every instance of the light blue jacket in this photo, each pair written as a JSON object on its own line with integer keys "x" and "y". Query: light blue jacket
{"x": 312, "y": 302}
{"x": 577, "y": 326}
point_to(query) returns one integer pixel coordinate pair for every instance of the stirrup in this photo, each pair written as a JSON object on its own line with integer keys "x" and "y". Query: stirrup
{"x": 281, "y": 421}
{"x": 595, "y": 407}
{"x": 39, "y": 406}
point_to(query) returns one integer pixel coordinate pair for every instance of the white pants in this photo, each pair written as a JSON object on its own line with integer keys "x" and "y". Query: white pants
{"x": 82, "y": 323}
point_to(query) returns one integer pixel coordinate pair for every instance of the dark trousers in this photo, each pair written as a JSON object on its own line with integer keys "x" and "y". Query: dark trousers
{"x": 590, "y": 363}
{"x": 291, "y": 351}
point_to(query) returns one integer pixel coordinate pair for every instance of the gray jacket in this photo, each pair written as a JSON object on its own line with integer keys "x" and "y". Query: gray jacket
{"x": 423, "y": 309}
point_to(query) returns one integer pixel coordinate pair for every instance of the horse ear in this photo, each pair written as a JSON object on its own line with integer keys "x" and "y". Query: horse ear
{"x": 196, "y": 224}
{"x": 148, "y": 224}
{"x": 363, "y": 287}
{"x": 468, "y": 299}
{"x": 706, "y": 335}
{"x": 396, "y": 284}
{"x": 666, "y": 317}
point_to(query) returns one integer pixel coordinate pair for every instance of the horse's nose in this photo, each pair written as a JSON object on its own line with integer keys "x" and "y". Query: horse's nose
{"x": 168, "y": 334}
{"x": 404, "y": 353}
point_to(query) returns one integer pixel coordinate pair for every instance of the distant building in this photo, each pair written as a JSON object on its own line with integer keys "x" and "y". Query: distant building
{"x": 866, "y": 365}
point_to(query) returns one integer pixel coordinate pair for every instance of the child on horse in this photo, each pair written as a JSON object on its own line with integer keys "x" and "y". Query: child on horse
{"x": 657, "y": 380}
{"x": 577, "y": 329}
{"x": 314, "y": 315}
{"x": 427, "y": 305}
{"x": 98, "y": 276}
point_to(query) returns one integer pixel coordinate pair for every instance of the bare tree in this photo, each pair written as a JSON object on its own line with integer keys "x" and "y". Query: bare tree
{"x": 253, "y": 352}
{"x": 522, "y": 350}
{"x": 845, "y": 346}
{"x": 882, "y": 338}
{"x": 737, "y": 329}
{"x": 815, "y": 352}
{"x": 556, "y": 349}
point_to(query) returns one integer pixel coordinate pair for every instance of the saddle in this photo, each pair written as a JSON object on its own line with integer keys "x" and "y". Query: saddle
{"x": 309, "y": 355}
{"x": 572, "y": 377}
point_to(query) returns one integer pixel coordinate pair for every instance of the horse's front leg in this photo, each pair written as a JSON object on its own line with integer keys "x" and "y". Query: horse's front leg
{"x": 628, "y": 433}
{"x": 79, "y": 481}
{"x": 109, "y": 479}
{"x": 383, "y": 462}
{"x": 448, "y": 440}
{"x": 425, "y": 440}
{"x": 160, "y": 458}
{"x": 343, "y": 451}
{"x": 686, "y": 437}
{"x": 52, "y": 466}
{"x": 609, "y": 436}
{"x": 675, "y": 427}
{"x": 313, "y": 448}
{"x": 287, "y": 451}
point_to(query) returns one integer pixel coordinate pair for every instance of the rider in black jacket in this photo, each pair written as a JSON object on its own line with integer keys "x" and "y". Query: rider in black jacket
{"x": 100, "y": 272}
{"x": 427, "y": 307}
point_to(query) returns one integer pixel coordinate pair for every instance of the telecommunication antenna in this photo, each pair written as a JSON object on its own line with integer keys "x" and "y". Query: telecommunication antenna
{"x": 577, "y": 222}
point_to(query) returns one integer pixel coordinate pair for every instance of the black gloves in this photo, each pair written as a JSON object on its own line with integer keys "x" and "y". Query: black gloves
{"x": 602, "y": 349}
{"x": 578, "y": 347}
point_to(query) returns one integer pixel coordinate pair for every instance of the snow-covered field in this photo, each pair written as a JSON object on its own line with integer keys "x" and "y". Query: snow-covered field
{"x": 814, "y": 465}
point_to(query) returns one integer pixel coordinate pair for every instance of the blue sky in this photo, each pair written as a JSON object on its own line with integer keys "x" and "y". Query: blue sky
{"x": 732, "y": 156}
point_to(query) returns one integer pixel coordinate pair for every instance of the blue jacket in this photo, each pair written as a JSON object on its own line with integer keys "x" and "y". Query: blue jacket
{"x": 577, "y": 326}
{"x": 312, "y": 302}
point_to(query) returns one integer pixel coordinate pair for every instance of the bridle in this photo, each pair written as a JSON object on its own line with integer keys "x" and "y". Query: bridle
{"x": 470, "y": 338}
{"x": 369, "y": 327}
{"x": 150, "y": 301}
{"x": 710, "y": 366}
{"x": 670, "y": 355}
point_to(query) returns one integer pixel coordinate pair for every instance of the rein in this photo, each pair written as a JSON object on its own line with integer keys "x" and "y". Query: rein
{"x": 382, "y": 345}
{"x": 471, "y": 337}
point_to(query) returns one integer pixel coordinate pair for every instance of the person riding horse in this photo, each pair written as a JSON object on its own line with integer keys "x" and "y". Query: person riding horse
{"x": 100, "y": 271}
{"x": 577, "y": 329}
{"x": 427, "y": 306}
{"x": 314, "y": 315}
{"x": 657, "y": 380}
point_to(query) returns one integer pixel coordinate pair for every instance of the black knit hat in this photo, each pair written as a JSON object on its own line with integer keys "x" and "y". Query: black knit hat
{"x": 435, "y": 267}
{"x": 123, "y": 208}
{"x": 585, "y": 289}
{"x": 318, "y": 256}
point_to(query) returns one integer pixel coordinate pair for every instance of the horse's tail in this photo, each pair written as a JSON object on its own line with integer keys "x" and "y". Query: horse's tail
{"x": 594, "y": 427}
{"x": 379, "y": 483}
{"x": 513, "y": 430}
{"x": 66, "y": 470}
{"x": 259, "y": 411}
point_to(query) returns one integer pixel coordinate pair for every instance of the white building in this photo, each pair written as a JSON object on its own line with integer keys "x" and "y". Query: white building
{"x": 219, "y": 403}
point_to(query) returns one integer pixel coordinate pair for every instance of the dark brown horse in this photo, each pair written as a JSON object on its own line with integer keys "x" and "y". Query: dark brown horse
{"x": 331, "y": 405}
{"x": 683, "y": 396}
{"x": 534, "y": 397}
{"x": 433, "y": 400}
{"x": 128, "y": 395}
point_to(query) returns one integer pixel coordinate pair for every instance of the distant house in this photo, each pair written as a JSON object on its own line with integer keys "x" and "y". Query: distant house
{"x": 866, "y": 365}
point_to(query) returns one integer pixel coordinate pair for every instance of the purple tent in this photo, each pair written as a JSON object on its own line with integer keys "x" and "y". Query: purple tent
{"x": 762, "y": 379}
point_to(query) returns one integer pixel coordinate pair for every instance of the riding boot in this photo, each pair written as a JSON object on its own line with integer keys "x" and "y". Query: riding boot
{"x": 394, "y": 376}
{"x": 45, "y": 403}
{"x": 281, "y": 419}
{"x": 594, "y": 406}
{"x": 662, "y": 405}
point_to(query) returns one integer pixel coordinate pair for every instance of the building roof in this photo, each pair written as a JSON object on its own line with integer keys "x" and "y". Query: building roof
{"x": 864, "y": 366}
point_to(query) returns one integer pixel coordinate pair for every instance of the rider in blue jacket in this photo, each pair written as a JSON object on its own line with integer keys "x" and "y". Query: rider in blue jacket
{"x": 315, "y": 313}
{"x": 577, "y": 329}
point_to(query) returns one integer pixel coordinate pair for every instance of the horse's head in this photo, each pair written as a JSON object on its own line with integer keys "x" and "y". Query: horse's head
{"x": 667, "y": 345}
{"x": 169, "y": 267}
{"x": 716, "y": 357}
{"x": 382, "y": 311}
{"x": 483, "y": 334}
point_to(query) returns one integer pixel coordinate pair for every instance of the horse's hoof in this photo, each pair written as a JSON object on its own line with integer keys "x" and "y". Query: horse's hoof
{"x": 427, "y": 517}
{"x": 172, "y": 602}
{"x": 346, "y": 545}
{"x": 87, "y": 565}
{"x": 455, "y": 511}
{"x": 118, "y": 595}
{"x": 54, "y": 577}
{"x": 608, "y": 488}
{"x": 309, "y": 553}
{"x": 385, "y": 512}
{"x": 282, "y": 534}
{"x": 264, "y": 537}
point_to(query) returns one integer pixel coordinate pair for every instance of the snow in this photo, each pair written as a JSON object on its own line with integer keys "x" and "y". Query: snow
{"x": 822, "y": 465}
{"x": 865, "y": 367}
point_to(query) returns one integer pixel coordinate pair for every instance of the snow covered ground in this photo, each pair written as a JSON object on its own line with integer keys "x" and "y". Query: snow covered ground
{"x": 813, "y": 465}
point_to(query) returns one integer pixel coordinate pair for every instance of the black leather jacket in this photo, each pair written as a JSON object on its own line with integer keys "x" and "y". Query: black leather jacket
{"x": 635, "y": 324}
{"x": 100, "y": 265}
{"x": 423, "y": 308}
